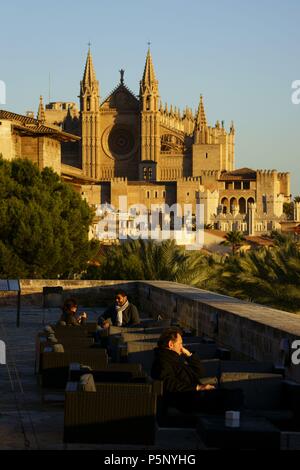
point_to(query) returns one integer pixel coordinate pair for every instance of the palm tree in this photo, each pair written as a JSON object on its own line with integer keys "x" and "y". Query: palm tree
{"x": 150, "y": 260}
{"x": 235, "y": 239}
{"x": 269, "y": 276}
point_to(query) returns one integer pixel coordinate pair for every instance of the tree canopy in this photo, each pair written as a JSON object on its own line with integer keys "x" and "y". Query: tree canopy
{"x": 267, "y": 275}
{"x": 44, "y": 224}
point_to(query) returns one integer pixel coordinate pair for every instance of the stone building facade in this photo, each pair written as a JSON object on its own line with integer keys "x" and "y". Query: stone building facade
{"x": 26, "y": 137}
{"x": 133, "y": 145}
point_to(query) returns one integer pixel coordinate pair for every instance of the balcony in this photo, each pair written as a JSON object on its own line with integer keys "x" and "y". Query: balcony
{"x": 249, "y": 331}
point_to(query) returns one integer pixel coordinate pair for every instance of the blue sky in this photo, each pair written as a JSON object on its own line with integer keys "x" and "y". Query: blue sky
{"x": 242, "y": 56}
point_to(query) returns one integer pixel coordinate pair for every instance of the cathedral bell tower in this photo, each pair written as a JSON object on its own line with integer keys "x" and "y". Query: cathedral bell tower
{"x": 90, "y": 120}
{"x": 150, "y": 123}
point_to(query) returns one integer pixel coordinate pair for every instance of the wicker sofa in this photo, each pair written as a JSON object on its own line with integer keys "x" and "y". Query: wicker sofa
{"x": 54, "y": 366}
{"x": 113, "y": 413}
{"x": 113, "y": 372}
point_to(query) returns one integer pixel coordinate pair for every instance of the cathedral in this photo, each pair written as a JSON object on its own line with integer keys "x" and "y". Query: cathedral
{"x": 131, "y": 145}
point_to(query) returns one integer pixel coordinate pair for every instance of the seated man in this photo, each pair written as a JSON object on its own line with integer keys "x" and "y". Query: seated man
{"x": 122, "y": 313}
{"x": 68, "y": 317}
{"x": 181, "y": 371}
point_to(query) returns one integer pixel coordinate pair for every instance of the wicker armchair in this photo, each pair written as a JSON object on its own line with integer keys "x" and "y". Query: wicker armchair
{"x": 69, "y": 343}
{"x": 54, "y": 366}
{"x": 114, "y": 372}
{"x": 114, "y": 414}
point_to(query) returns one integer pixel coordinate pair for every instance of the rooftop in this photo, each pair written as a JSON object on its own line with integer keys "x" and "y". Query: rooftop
{"x": 239, "y": 174}
{"x": 30, "y": 126}
{"x": 249, "y": 331}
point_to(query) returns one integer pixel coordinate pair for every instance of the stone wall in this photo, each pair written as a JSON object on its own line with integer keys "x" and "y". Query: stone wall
{"x": 249, "y": 330}
{"x": 207, "y": 157}
{"x": 6, "y": 143}
{"x": 87, "y": 293}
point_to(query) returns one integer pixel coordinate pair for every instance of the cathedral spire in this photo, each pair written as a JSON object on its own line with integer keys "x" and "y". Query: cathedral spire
{"x": 149, "y": 78}
{"x": 41, "y": 116}
{"x": 200, "y": 124}
{"x": 89, "y": 76}
{"x": 90, "y": 120}
{"x": 232, "y": 128}
{"x": 201, "y": 117}
{"x": 150, "y": 116}
{"x": 149, "y": 93}
{"x": 89, "y": 87}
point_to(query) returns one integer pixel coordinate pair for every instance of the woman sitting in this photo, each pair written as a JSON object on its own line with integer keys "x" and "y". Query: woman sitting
{"x": 69, "y": 317}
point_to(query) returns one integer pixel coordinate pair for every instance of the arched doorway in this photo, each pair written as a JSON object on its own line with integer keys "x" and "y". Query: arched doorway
{"x": 242, "y": 205}
{"x": 233, "y": 203}
{"x": 225, "y": 204}
{"x": 250, "y": 200}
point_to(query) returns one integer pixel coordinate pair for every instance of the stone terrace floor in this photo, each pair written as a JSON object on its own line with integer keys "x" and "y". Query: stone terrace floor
{"x": 26, "y": 422}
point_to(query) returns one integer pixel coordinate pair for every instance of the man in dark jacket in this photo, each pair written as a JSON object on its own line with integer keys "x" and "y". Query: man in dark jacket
{"x": 122, "y": 313}
{"x": 181, "y": 372}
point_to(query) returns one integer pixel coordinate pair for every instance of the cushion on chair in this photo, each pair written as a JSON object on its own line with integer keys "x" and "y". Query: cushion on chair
{"x": 52, "y": 339}
{"x": 87, "y": 383}
{"x": 58, "y": 348}
{"x": 48, "y": 329}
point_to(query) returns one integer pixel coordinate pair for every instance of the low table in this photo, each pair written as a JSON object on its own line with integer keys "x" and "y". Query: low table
{"x": 253, "y": 433}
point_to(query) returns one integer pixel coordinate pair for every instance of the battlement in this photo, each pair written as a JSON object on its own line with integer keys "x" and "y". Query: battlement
{"x": 266, "y": 173}
{"x": 190, "y": 178}
{"x": 277, "y": 198}
{"x": 208, "y": 193}
{"x": 120, "y": 179}
{"x": 214, "y": 173}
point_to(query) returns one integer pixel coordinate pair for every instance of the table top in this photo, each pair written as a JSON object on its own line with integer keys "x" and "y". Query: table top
{"x": 247, "y": 424}
{"x": 254, "y": 433}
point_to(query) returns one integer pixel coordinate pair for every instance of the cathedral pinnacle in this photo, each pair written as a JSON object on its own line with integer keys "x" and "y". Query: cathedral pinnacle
{"x": 89, "y": 86}
{"x": 201, "y": 117}
{"x": 149, "y": 79}
{"x": 41, "y": 111}
{"x": 89, "y": 76}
